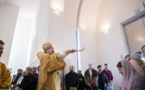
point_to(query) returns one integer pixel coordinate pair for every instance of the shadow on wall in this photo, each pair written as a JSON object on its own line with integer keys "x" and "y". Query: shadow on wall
{"x": 35, "y": 63}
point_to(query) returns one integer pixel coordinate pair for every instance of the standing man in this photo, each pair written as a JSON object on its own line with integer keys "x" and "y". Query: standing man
{"x": 19, "y": 74}
{"x": 82, "y": 84}
{"x": 4, "y": 74}
{"x": 102, "y": 79}
{"x": 35, "y": 75}
{"x": 108, "y": 73}
{"x": 50, "y": 63}
{"x": 71, "y": 79}
{"x": 91, "y": 78}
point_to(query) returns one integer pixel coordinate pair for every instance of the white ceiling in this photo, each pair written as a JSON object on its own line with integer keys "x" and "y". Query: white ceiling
{"x": 28, "y": 8}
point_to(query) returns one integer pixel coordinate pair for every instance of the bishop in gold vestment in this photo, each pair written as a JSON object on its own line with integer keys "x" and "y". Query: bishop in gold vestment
{"x": 50, "y": 63}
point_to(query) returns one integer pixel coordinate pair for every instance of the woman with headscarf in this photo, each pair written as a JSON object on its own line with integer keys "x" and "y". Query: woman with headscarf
{"x": 131, "y": 78}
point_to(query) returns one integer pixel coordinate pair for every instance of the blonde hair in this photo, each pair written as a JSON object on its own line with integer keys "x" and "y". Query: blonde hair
{"x": 140, "y": 63}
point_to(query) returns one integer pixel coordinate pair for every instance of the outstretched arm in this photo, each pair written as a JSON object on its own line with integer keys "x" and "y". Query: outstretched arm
{"x": 65, "y": 53}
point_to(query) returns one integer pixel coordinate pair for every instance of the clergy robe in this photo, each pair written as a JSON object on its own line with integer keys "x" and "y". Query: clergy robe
{"x": 4, "y": 75}
{"x": 49, "y": 65}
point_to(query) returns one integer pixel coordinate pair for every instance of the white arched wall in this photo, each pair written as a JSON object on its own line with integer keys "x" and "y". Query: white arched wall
{"x": 110, "y": 44}
{"x": 62, "y": 32}
{"x": 70, "y": 13}
{"x": 87, "y": 24}
{"x": 8, "y": 18}
{"x": 21, "y": 45}
{"x": 66, "y": 35}
{"x": 41, "y": 32}
{"x": 49, "y": 29}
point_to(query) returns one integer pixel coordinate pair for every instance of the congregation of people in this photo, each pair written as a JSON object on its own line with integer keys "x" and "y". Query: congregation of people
{"x": 91, "y": 80}
{"x": 26, "y": 80}
{"x": 132, "y": 69}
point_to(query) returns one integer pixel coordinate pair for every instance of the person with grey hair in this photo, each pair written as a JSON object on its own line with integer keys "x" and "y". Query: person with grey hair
{"x": 137, "y": 63}
{"x": 28, "y": 81}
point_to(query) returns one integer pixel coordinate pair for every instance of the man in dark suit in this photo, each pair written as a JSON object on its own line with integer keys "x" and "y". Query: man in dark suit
{"x": 35, "y": 75}
{"x": 28, "y": 81}
{"x": 19, "y": 73}
{"x": 71, "y": 79}
{"x": 102, "y": 79}
{"x": 82, "y": 84}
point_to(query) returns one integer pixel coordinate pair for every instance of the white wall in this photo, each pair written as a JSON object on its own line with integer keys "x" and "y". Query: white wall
{"x": 88, "y": 16}
{"x": 62, "y": 32}
{"x": 41, "y": 33}
{"x": 88, "y": 25}
{"x": 111, "y": 45}
{"x": 69, "y": 32}
{"x": 8, "y": 18}
{"x": 57, "y": 28}
{"x": 20, "y": 47}
{"x": 23, "y": 35}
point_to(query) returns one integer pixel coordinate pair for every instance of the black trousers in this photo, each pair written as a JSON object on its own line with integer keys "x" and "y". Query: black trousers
{"x": 102, "y": 88}
{"x": 93, "y": 88}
